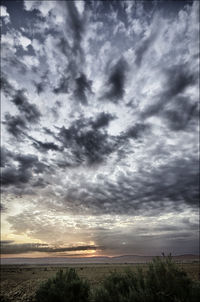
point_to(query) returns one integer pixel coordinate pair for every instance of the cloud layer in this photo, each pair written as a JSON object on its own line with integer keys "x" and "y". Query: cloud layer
{"x": 100, "y": 122}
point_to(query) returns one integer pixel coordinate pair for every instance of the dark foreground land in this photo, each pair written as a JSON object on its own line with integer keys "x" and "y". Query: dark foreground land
{"x": 20, "y": 282}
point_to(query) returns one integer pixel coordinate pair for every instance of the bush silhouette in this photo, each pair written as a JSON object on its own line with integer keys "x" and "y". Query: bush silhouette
{"x": 163, "y": 282}
{"x": 64, "y": 287}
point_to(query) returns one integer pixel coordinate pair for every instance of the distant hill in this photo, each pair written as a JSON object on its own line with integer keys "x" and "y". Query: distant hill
{"x": 91, "y": 260}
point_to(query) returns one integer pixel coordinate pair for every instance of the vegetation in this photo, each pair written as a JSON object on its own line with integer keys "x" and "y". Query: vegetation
{"x": 163, "y": 281}
{"x": 64, "y": 287}
{"x": 3, "y": 299}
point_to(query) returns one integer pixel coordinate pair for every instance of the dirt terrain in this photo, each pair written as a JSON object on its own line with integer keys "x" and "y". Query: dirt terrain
{"x": 20, "y": 282}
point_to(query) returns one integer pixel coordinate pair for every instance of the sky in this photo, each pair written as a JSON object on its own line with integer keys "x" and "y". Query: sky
{"x": 99, "y": 122}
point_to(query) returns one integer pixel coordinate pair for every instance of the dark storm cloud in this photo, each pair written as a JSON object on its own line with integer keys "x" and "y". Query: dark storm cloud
{"x": 103, "y": 8}
{"x": 116, "y": 81}
{"x": 102, "y": 120}
{"x": 83, "y": 85}
{"x": 136, "y": 131}
{"x": 145, "y": 193}
{"x": 29, "y": 161}
{"x": 89, "y": 143}
{"x": 88, "y": 146}
{"x": 64, "y": 46}
{"x": 6, "y": 87}
{"x": 15, "y": 125}
{"x": 40, "y": 183}
{"x": 8, "y": 247}
{"x": 14, "y": 176}
{"x": 75, "y": 27}
{"x": 4, "y": 156}
{"x": 42, "y": 84}
{"x": 40, "y": 87}
{"x": 28, "y": 165}
{"x": 76, "y": 24}
{"x": 27, "y": 111}
{"x": 44, "y": 146}
{"x": 30, "y": 111}
{"x": 178, "y": 78}
{"x": 49, "y": 132}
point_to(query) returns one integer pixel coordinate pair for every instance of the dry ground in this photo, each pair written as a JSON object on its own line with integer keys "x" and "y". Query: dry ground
{"x": 20, "y": 282}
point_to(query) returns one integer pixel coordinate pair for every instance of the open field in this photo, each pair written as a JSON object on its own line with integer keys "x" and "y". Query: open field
{"x": 19, "y": 282}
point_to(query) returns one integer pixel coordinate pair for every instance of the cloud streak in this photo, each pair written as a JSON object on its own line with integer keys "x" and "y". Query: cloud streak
{"x": 8, "y": 247}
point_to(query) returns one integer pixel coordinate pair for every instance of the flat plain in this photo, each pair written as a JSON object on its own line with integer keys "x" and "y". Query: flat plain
{"x": 20, "y": 282}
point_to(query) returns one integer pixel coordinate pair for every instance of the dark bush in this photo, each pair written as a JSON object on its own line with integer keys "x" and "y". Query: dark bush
{"x": 4, "y": 299}
{"x": 64, "y": 287}
{"x": 163, "y": 282}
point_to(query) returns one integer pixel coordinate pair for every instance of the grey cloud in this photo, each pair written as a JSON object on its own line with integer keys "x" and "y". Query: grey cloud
{"x": 55, "y": 110}
{"x": 62, "y": 87}
{"x": 133, "y": 242}
{"x": 179, "y": 77}
{"x": 5, "y": 154}
{"x": 42, "y": 84}
{"x": 40, "y": 183}
{"x": 102, "y": 120}
{"x": 171, "y": 185}
{"x": 14, "y": 176}
{"x": 29, "y": 161}
{"x": 5, "y": 85}
{"x": 89, "y": 141}
{"x": 48, "y": 131}
{"x": 183, "y": 113}
{"x": 30, "y": 111}
{"x": 88, "y": 146}
{"x": 76, "y": 24}
{"x": 39, "y": 87}
{"x": 64, "y": 46}
{"x": 44, "y": 146}
{"x": 143, "y": 48}
{"x": 15, "y": 125}
{"x": 136, "y": 131}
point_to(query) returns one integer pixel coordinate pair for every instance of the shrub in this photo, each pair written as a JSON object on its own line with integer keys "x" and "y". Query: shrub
{"x": 4, "y": 299}
{"x": 166, "y": 282}
{"x": 122, "y": 288}
{"x": 163, "y": 282}
{"x": 64, "y": 287}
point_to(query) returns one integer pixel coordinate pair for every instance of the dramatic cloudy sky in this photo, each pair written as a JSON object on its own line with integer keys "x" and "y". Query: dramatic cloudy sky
{"x": 100, "y": 127}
